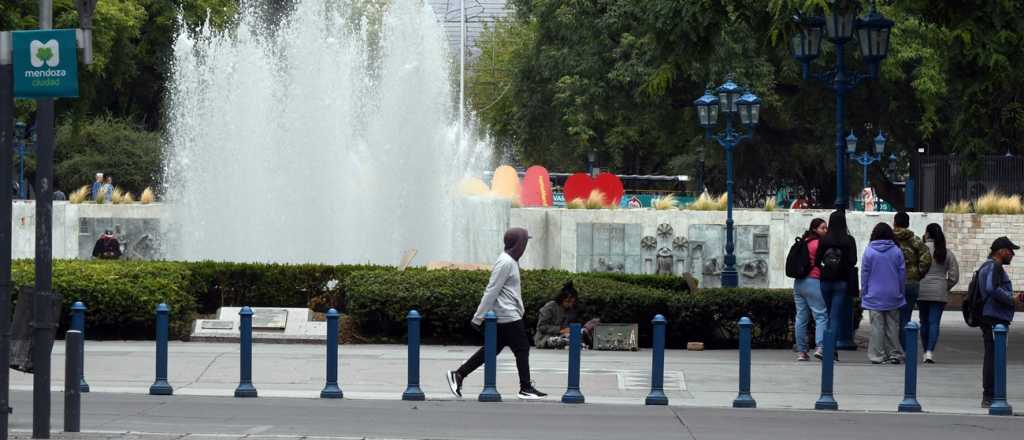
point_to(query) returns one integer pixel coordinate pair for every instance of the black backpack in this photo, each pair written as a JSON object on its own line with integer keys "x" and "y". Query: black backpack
{"x": 974, "y": 303}
{"x": 832, "y": 265}
{"x": 798, "y": 261}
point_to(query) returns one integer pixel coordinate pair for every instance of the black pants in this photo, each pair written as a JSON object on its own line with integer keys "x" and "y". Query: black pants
{"x": 513, "y": 336}
{"x": 988, "y": 376}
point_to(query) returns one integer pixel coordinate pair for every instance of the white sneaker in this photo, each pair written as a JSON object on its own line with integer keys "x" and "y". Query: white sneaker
{"x": 928, "y": 359}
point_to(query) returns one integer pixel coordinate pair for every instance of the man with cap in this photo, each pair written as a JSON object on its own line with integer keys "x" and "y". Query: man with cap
{"x": 997, "y": 293}
{"x": 503, "y": 296}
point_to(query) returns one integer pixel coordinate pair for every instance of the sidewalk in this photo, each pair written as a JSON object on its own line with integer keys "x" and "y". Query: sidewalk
{"x": 695, "y": 379}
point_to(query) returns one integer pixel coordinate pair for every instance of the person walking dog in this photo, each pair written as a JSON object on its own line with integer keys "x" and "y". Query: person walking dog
{"x": 503, "y": 296}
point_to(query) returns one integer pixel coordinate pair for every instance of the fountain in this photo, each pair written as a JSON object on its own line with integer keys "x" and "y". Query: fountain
{"x": 329, "y": 137}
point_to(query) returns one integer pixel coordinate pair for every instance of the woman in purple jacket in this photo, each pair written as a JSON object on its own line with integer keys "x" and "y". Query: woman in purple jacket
{"x": 883, "y": 276}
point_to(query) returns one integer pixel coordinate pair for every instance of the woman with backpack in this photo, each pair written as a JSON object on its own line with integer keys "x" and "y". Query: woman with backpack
{"x": 807, "y": 294}
{"x": 883, "y": 275}
{"x": 934, "y": 292}
{"x": 837, "y": 258}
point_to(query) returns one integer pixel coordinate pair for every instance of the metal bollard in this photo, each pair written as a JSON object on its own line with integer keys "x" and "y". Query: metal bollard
{"x": 744, "y": 399}
{"x": 412, "y": 390}
{"x": 245, "y": 387}
{"x": 72, "y": 377}
{"x": 160, "y": 386}
{"x": 331, "y": 389}
{"x": 657, "y": 395}
{"x": 827, "y": 400}
{"x": 572, "y": 391}
{"x": 78, "y": 323}
{"x": 1000, "y": 407}
{"x": 490, "y": 391}
{"x": 910, "y": 403}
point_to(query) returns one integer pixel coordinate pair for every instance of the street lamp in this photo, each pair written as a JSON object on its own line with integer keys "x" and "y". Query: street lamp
{"x": 21, "y": 135}
{"x": 840, "y": 26}
{"x": 866, "y": 158}
{"x": 730, "y": 99}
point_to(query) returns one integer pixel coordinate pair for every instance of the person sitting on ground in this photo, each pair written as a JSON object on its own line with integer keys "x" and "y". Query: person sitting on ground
{"x": 555, "y": 316}
{"x": 107, "y": 247}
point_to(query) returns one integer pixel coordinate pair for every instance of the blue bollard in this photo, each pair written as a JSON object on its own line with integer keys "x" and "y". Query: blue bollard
{"x": 490, "y": 391}
{"x": 827, "y": 400}
{"x": 910, "y": 403}
{"x": 160, "y": 386}
{"x": 78, "y": 323}
{"x": 744, "y": 399}
{"x": 657, "y": 395}
{"x": 572, "y": 391}
{"x": 245, "y": 386}
{"x": 413, "y": 391}
{"x": 331, "y": 389}
{"x": 1000, "y": 407}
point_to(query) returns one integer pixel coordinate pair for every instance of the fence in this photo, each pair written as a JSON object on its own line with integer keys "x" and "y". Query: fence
{"x": 945, "y": 179}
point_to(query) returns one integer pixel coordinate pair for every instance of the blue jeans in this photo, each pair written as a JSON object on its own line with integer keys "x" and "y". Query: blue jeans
{"x": 833, "y": 292}
{"x": 808, "y": 300}
{"x": 931, "y": 316}
{"x": 912, "y": 290}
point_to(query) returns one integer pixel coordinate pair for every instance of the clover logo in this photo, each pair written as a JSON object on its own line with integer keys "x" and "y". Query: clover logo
{"x": 48, "y": 53}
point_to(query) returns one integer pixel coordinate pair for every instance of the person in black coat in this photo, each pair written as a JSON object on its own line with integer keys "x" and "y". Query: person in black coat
{"x": 107, "y": 247}
{"x": 837, "y": 258}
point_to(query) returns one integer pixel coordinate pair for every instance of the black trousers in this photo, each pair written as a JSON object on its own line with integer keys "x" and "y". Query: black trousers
{"x": 988, "y": 375}
{"x": 513, "y": 336}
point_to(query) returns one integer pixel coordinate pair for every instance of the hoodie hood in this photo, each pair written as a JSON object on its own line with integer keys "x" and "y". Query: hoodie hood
{"x": 882, "y": 246}
{"x": 515, "y": 242}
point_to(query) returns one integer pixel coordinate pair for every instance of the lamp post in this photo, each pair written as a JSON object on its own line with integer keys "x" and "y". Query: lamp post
{"x": 839, "y": 25}
{"x": 21, "y": 135}
{"x": 730, "y": 99}
{"x": 865, "y": 159}
{"x": 700, "y": 171}
{"x": 591, "y": 160}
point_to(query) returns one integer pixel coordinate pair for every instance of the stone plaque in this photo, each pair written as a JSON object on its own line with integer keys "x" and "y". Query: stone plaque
{"x": 269, "y": 318}
{"x": 218, "y": 325}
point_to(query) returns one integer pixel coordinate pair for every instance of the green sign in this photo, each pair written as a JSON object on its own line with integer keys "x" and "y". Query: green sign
{"x": 45, "y": 64}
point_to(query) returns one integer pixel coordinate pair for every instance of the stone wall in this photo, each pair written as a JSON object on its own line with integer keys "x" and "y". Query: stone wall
{"x": 555, "y": 234}
{"x": 77, "y": 226}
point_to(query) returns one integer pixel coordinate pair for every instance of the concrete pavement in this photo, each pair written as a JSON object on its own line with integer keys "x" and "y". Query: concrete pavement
{"x": 693, "y": 379}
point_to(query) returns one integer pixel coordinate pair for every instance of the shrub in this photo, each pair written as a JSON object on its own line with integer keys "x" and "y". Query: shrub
{"x": 994, "y": 203}
{"x": 79, "y": 195}
{"x": 666, "y": 203}
{"x": 959, "y": 207}
{"x": 147, "y": 196}
{"x": 706, "y": 202}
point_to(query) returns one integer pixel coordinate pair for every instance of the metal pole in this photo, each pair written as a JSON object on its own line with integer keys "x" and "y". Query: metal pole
{"x": 866, "y": 163}
{"x": 245, "y": 386}
{"x": 22, "y": 187}
{"x": 490, "y": 391}
{"x": 840, "y": 89}
{"x": 1000, "y": 407}
{"x": 78, "y": 323}
{"x": 910, "y": 403}
{"x": 462, "y": 71}
{"x": 160, "y": 385}
{"x": 730, "y": 278}
{"x": 72, "y": 375}
{"x": 6, "y": 139}
{"x": 827, "y": 400}
{"x": 413, "y": 391}
{"x": 572, "y": 390}
{"x": 331, "y": 389}
{"x": 744, "y": 399}
{"x": 657, "y": 395}
{"x": 42, "y": 321}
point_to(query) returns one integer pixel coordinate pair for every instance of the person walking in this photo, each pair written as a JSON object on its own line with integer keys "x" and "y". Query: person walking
{"x": 837, "y": 258}
{"x": 918, "y": 260}
{"x": 883, "y": 280}
{"x": 997, "y": 294}
{"x": 807, "y": 295}
{"x": 935, "y": 286}
{"x": 503, "y": 296}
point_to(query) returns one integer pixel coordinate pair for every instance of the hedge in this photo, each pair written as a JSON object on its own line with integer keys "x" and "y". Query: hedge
{"x": 121, "y": 296}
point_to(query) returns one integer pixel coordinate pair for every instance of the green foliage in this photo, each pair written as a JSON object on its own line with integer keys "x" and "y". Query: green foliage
{"x": 111, "y": 146}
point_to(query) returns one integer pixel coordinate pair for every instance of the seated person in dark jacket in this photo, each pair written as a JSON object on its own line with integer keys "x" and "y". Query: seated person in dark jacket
{"x": 555, "y": 316}
{"x": 107, "y": 247}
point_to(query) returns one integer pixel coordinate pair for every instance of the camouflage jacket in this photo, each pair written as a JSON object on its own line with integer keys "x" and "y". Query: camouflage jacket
{"x": 915, "y": 254}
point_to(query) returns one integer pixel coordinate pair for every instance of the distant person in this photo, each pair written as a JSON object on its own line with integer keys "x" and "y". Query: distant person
{"x": 837, "y": 258}
{"x": 918, "y": 260}
{"x": 800, "y": 203}
{"x": 59, "y": 195}
{"x": 883, "y": 280}
{"x": 807, "y": 296}
{"x": 107, "y": 189}
{"x": 107, "y": 247}
{"x": 935, "y": 286}
{"x": 503, "y": 296}
{"x": 997, "y": 292}
{"x": 554, "y": 318}
{"x": 97, "y": 186}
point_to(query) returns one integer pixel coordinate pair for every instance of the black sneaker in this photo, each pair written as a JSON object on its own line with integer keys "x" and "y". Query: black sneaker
{"x": 895, "y": 361}
{"x": 531, "y": 393}
{"x": 986, "y": 403}
{"x": 455, "y": 383}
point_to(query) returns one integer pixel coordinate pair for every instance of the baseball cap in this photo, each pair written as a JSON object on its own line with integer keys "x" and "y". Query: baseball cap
{"x": 1004, "y": 243}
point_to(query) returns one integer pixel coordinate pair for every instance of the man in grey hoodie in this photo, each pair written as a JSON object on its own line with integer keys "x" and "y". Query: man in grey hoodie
{"x": 503, "y": 296}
